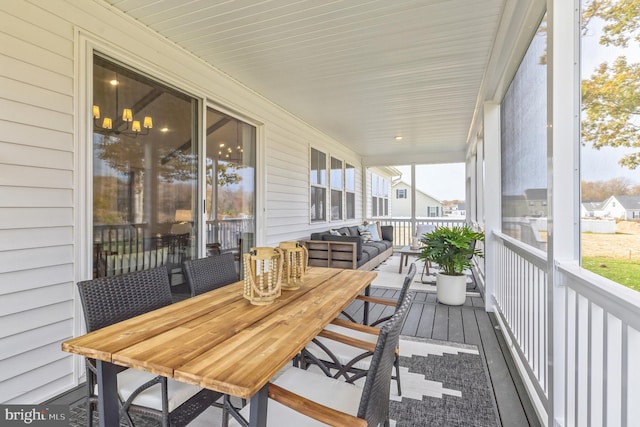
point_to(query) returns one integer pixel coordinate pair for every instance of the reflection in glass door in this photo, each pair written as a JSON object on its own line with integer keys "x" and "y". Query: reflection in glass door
{"x": 144, "y": 173}
{"x": 230, "y": 190}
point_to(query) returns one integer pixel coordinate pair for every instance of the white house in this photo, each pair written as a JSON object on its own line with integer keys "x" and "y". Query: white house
{"x": 622, "y": 207}
{"x": 426, "y": 205}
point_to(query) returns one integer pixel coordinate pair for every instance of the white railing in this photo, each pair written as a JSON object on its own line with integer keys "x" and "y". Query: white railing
{"x": 596, "y": 335}
{"x": 405, "y": 228}
{"x": 520, "y": 295}
{"x": 602, "y": 375}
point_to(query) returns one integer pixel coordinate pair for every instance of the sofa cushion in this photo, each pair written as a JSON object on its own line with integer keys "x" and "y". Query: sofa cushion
{"x": 380, "y": 246}
{"x": 363, "y": 259}
{"x": 353, "y": 230}
{"x": 344, "y": 231}
{"x": 387, "y": 232}
{"x": 370, "y": 250}
{"x": 318, "y": 236}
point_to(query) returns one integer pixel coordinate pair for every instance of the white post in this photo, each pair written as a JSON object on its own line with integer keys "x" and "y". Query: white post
{"x": 492, "y": 199}
{"x": 564, "y": 182}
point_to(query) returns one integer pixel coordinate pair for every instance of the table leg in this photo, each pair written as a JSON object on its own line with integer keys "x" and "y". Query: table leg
{"x": 400, "y": 268}
{"x": 365, "y": 316}
{"x": 108, "y": 404}
{"x": 258, "y": 409}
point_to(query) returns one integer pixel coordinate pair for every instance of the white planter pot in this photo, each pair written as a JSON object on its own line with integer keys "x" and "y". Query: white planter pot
{"x": 451, "y": 290}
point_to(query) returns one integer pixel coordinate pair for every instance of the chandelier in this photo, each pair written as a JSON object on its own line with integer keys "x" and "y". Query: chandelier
{"x": 114, "y": 125}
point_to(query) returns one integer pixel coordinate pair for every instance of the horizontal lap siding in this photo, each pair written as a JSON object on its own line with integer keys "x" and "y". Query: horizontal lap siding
{"x": 36, "y": 203}
{"x": 38, "y": 171}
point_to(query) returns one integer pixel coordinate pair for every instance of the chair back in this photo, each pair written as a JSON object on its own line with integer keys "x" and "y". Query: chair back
{"x": 408, "y": 279}
{"x": 424, "y": 228}
{"x": 374, "y": 403}
{"x": 206, "y": 274}
{"x": 109, "y": 300}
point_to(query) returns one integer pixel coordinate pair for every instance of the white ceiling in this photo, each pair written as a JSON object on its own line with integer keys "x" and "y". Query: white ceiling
{"x": 361, "y": 71}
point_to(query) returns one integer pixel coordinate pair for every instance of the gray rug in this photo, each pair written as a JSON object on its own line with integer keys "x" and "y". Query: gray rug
{"x": 465, "y": 397}
{"x": 443, "y": 384}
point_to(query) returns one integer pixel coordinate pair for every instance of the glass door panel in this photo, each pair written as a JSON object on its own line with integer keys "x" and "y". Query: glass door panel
{"x": 144, "y": 172}
{"x": 230, "y": 184}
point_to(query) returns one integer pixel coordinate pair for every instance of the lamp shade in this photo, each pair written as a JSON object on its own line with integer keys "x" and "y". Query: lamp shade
{"x": 184, "y": 215}
{"x": 127, "y": 115}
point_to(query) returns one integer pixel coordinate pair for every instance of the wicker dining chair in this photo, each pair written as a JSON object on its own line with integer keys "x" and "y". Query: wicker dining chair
{"x": 109, "y": 300}
{"x": 307, "y": 397}
{"x": 207, "y": 274}
{"x": 336, "y": 346}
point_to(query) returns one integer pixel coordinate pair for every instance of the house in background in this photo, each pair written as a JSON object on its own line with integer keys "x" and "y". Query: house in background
{"x": 455, "y": 209}
{"x": 426, "y": 205}
{"x": 592, "y": 210}
{"x": 622, "y": 207}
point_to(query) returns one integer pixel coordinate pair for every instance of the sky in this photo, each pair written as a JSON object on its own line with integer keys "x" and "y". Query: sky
{"x": 444, "y": 182}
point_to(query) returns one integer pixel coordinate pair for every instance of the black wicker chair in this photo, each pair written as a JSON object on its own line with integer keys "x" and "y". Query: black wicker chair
{"x": 306, "y": 396}
{"x": 207, "y": 274}
{"x": 109, "y": 300}
{"x": 341, "y": 344}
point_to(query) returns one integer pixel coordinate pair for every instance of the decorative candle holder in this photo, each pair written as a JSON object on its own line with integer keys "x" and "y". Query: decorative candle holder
{"x": 296, "y": 258}
{"x": 263, "y": 275}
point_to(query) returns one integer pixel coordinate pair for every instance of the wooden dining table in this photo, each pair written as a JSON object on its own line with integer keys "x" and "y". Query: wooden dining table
{"x": 219, "y": 340}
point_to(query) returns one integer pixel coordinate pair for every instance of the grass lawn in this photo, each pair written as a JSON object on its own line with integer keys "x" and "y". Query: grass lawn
{"x": 625, "y": 272}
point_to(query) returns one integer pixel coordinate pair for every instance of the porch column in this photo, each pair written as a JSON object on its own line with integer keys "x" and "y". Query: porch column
{"x": 492, "y": 199}
{"x": 563, "y": 183}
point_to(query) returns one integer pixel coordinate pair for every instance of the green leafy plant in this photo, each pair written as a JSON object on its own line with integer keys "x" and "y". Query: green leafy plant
{"x": 452, "y": 248}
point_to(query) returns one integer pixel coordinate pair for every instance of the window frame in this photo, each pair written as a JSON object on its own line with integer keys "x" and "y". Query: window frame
{"x": 320, "y": 186}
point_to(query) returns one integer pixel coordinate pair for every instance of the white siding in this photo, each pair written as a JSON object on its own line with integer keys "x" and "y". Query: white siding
{"x": 40, "y": 169}
{"x": 36, "y": 203}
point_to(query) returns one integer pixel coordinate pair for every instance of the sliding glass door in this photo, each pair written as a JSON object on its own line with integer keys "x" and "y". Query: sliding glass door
{"x": 145, "y": 172}
{"x": 230, "y": 183}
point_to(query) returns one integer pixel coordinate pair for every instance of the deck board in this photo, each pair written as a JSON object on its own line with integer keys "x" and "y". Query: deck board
{"x": 471, "y": 324}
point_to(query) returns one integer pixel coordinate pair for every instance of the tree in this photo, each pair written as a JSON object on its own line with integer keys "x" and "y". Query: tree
{"x": 597, "y": 191}
{"x": 611, "y": 96}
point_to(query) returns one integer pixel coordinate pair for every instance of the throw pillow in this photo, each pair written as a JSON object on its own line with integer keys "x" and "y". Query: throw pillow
{"x": 365, "y": 234}
{"x": 373, "y": 230}
{"x": 334, "y": 232}
{"x": 379, "y": 229}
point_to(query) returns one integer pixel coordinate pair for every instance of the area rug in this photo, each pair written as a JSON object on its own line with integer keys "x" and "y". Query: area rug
{"x": 443, "y": 384}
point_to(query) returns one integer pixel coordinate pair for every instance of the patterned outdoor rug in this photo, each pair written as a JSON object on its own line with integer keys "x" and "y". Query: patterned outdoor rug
{"x": 443, "y": 384}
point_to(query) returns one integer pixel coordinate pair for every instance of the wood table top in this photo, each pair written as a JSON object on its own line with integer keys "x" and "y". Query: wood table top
{"x": 219, "y": 340}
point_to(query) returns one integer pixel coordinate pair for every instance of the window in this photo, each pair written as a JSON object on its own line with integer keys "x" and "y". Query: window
{"x": 350, "y": 190}
{"x": 401, "y": 193}
{"x": 318, "y": 191}
{"x": 336, "y": 182}
{"x": 230, "y": 182}
{"x": 524, "y": 147}
{"x": 379, "y": 196}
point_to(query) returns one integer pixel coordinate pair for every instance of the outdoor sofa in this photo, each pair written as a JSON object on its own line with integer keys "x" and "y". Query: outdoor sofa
{"x": 350, "y": 247}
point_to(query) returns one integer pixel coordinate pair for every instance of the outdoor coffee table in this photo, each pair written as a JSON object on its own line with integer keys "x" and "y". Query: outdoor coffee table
{"x": 404, "y": 256}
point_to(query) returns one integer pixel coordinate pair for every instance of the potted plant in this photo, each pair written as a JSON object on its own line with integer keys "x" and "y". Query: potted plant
{"x": 452, "y": 248}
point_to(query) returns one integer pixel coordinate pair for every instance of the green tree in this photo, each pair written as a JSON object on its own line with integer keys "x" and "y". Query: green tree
{"x": 611, "y": 96}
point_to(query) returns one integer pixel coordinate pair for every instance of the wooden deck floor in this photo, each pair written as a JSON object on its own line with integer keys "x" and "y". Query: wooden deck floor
{"x": 469, "y": 324}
